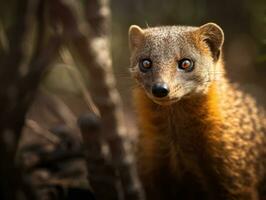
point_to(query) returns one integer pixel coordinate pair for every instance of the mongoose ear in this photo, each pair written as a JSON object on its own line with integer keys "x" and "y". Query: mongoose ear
{"x": 213, "y": 35}
{"x": 136, "y": 36}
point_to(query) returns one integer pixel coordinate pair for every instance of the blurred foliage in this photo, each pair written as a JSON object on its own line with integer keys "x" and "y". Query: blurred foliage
{"x": 259, "y": 28}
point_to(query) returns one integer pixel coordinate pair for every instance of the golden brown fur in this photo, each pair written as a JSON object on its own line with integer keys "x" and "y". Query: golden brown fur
{"x": 208, "y": 144}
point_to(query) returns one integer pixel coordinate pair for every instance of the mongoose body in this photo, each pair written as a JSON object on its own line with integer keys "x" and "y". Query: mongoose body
{"x": 201, "y": 137}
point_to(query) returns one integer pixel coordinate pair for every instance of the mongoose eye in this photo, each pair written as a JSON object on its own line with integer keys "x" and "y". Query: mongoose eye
{"x": 186, "y": 65}
{"x": 145, "y": 65}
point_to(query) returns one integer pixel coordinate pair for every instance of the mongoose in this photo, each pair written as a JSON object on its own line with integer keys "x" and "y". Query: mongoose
{"x": 201, "y": 137}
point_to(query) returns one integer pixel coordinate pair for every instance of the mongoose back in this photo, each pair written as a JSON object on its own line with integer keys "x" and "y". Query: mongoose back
{"x": 201, "y": 137}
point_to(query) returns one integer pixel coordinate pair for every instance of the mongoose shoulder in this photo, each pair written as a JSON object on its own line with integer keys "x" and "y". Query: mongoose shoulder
{"x": 201, "y": 137}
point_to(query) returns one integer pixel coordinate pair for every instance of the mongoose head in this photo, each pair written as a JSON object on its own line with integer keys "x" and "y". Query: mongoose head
{"x": 175, "y": 62}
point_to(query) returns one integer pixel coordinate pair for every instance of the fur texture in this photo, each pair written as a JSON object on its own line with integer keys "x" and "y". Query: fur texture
{"x": 206, "y": 139}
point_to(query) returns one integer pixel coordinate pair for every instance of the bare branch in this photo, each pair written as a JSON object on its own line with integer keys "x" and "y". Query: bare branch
{"x": 42, "y": 131}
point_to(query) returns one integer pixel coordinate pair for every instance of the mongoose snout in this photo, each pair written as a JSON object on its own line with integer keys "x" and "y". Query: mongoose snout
{"x": 160, "y": 90}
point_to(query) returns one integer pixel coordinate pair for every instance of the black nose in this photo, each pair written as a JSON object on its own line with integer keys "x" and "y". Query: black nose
{"x": 160, "y": 90}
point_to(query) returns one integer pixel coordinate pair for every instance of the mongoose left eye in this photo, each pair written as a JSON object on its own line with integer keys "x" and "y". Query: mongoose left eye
{"x": 145, "y": 65}
{"x": 186, "y": 65}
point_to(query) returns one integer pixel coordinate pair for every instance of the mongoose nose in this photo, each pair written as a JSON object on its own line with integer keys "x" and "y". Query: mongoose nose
{"x": 160, "y": 90}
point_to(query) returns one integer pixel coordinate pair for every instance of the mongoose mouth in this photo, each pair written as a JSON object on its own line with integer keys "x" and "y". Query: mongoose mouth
{"x": 165, "y": 101}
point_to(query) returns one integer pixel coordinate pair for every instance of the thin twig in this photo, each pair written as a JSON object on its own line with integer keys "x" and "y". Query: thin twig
{"x": 42, "y": 131}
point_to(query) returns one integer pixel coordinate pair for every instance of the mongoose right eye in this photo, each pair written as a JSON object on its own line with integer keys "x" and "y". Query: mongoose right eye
{"x": 186, "y": 65}
{"x": 145, "y": 65}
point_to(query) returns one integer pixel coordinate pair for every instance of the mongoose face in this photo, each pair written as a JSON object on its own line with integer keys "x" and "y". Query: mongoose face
{"x": 175, "y": 62}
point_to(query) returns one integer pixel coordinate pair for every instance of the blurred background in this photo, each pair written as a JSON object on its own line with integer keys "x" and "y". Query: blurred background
{"x": 68, "y": 126}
